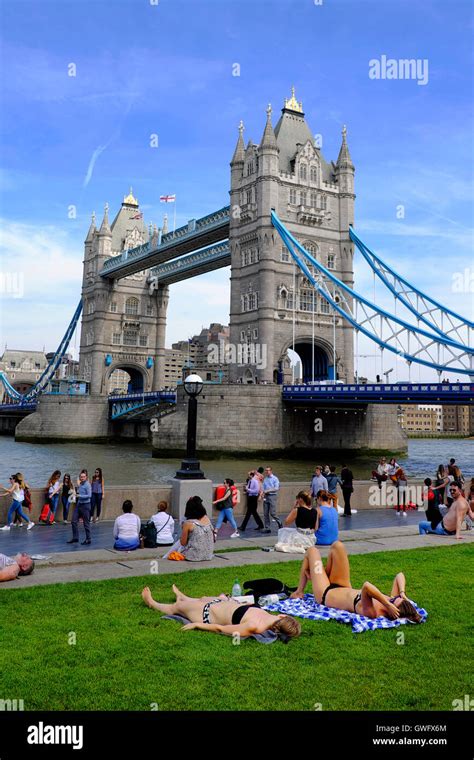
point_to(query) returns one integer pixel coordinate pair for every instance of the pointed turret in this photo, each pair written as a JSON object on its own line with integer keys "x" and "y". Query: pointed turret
{"x": 269, "y": 139}
{"x": 92, "y": 230}
{"x": 105, "y": 226}
{"x": 239, "y": 153}
{"x": 164, "y": 229}
{"x": 344, "y": 160}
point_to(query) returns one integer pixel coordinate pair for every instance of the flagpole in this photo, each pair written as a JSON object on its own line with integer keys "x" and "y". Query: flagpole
{"x": 174, "y": 216}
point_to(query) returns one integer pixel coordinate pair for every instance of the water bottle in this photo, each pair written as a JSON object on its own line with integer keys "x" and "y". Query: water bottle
{"x": 236, "y": 590}
{"x": 264, "y": 601}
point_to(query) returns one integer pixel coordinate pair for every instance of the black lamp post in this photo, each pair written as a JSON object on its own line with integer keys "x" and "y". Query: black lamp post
{"x": 190, "y": 467}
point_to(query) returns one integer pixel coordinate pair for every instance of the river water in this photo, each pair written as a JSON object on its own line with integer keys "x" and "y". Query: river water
{"x": 133, "y": 464}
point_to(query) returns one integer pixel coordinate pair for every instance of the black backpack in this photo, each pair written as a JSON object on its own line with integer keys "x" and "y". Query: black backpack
{"x": 149, "y": 534}
{"x": 264, "y": 586}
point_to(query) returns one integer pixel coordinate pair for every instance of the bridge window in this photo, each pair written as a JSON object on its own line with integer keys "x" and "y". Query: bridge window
{"x": 116, "y": 339}
{"x": 37, "y": 365}
{"x": 131, "y": 306}
{"x": 149, "y": 310}
{"x": 308, "y": 300}
{"x": 314, "y": 174}
{"x": 293, "y": 196}
{"x": 325, "y": 307}
{"x": 143, "y": 340}
{"x": 242, "y": 336}
{"x": 303, "y": 171}
{"x": 314, "y": 199}
{"x": 331, "y": 261}
{"x": 285, "y": 254}
{"x": 250, "y": 302}
{"x": 113, "y": 307}
{"x": 248, "y": 196}
{"x": 312, "y": 248}
{"x": 12, "y": 365}
{"x": 255, "y": 333}
{"x": 303, "y": 198}
{"x": 130, "y": 337}
{"x": 322, "y": 202}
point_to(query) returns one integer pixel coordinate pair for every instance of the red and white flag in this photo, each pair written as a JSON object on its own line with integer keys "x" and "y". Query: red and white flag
{"x": 167, "y": 198}
{"x": 137, "y": 216}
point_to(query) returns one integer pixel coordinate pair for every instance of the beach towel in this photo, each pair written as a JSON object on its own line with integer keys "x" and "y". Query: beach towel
{"x": 269, "y": 637}
{"x": 309, "y": 609}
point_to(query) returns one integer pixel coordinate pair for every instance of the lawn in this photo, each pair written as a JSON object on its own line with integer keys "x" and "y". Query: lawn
{"x": 126, "y": 658}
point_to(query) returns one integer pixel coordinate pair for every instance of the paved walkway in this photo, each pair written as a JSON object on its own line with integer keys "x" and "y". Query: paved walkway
{"x": 103, "y": 563}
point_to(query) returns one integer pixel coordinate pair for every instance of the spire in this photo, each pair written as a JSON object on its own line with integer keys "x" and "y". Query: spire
{"x": 239, "y": 153}
{"x": 165, "y": 224}
{"x": 92, "y": 229}
{"x": 130, "y": 199}
{"x": 291, "y": 104}
{"x": 269, "y": 139}
{"x": 105, "y": 226}
{"x": 344, "y": 159}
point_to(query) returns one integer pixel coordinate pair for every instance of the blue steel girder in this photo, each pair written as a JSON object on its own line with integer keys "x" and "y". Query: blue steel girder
{"x": 197, "y": 234}
{"x": 126, "y": 404}
{"x": 206, "y": 260}
{"x": 381, "y": 393}
{"x": 385, "y": 329}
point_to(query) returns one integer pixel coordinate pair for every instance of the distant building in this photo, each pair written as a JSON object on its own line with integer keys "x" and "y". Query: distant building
{"x": 457, "y": 419}
{"x": 419, "y": 419}
{"x": 23, "y": 368}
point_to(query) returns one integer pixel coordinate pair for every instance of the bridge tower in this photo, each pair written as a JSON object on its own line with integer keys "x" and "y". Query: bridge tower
{"x": 123, "y": 325}
{"x": 273, "y": 307}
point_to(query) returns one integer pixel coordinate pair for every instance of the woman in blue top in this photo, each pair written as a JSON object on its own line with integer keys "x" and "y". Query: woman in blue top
{"x": 98, "y": 493}
{"x": 327, "y": 530}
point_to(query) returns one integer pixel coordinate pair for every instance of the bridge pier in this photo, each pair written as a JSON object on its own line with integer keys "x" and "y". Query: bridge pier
{"x": 252, "y": 419}
{"x": 66, "y": 418}
{"x": 162, "y": 299}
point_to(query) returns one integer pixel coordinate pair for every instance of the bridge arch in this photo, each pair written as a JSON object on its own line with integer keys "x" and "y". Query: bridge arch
{"x": 323, "y": 357}
{"x": 138, "y": 379}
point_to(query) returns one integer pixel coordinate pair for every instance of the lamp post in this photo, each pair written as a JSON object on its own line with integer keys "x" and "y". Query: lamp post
{"x": 190, "y": 466}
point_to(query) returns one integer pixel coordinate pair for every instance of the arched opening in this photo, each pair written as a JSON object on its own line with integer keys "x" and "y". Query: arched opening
{"x": 304, "y": 360}
{"x": 125, "y": 380}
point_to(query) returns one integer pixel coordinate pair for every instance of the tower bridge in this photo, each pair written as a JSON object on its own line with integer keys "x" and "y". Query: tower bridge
{"x": 288, "y": 236}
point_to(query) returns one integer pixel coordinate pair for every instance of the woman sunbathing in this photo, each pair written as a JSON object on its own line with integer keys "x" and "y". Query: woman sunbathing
{"x": 223, "y": 615}
{"x": 332, "y": 587}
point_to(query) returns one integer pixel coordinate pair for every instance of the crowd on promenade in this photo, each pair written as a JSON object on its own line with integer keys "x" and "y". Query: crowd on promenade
{"x": 313, "y": 519}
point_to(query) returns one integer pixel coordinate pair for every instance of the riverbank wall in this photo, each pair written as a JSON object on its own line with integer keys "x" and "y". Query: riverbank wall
{"x": 366, "y": 495}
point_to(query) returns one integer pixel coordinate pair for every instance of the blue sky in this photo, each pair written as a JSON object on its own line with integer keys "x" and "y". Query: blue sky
{"x": 167, "y": 69}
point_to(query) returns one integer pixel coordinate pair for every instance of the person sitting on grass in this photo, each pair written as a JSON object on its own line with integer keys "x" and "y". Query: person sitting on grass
{"x": 127, "y": 529}
{"x": 452, "y": 521}
{"x": 13, "y": 567}
{"x": 332, "y": 588}
{"x": 327, "y": 528}
{"x": 223, "y": 615}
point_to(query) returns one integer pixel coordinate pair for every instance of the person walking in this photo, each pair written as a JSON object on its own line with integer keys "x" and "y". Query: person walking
{"x": 271, "y": 486}
{"x": 98, "y": 493}
{"x": 347, "y": 487}
{"x": 318, "y": 483}
{"x": 53, "y": 488}
{"x": 18, "y": 496}
{"x": 333, "y": 481}
{"x": 252, "y": 490}
{"x": 82, "y": 509}
{"x": 65, "y": 495}
{"x": 226, "y": 508}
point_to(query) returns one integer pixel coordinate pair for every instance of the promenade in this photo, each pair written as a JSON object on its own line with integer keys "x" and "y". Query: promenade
{"x": 370, "y": 531}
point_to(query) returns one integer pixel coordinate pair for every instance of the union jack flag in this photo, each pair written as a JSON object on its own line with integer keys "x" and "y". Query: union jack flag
{"x": 137, "y": 216}
{"x": 167, "y": 198}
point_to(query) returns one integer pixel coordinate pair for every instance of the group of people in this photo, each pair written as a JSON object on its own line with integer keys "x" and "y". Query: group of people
{"x": 391, "y": 471}
{"x": 331, "y": 586}
{"x": 449, "y": 504}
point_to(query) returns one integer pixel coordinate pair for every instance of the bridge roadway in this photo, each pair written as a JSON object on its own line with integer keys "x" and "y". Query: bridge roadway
{"x": 195, "y": 235}
{"x": 398, "y": 393}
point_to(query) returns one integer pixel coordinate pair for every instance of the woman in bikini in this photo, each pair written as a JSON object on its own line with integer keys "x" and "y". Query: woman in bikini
{"x": 223, "y": 615}
{"x": 332, "y": 587}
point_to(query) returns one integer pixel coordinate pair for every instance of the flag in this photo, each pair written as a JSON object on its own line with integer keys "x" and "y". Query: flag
{"x": 167, "y": 198}
{"x": 137, "y": 216}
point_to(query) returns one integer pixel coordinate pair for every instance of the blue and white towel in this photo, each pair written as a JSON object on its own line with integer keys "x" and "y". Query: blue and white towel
{"x": 309, "y": 609}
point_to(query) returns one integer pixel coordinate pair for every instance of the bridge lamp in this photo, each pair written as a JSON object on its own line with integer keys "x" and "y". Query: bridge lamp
{"x": 190, "y": 467}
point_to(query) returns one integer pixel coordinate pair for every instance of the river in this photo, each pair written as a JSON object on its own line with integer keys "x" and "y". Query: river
{"x": 132, "y": 463}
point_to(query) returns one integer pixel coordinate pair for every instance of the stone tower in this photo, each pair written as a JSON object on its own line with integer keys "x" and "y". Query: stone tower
{"x": 123, "y": 325}
{"x": 273, "y": 307}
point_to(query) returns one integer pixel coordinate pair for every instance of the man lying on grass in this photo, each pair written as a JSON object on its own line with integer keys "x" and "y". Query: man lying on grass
{"x": 12, "y": 567}
{"x": 223, "y": 615}
{"x": 332, "y": 587}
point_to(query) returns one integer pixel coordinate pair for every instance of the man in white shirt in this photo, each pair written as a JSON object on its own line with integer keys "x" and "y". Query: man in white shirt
{"x": 13, "y": 567}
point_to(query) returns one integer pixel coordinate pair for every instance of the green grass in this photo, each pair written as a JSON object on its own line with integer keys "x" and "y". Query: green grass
{"x": 126, "y": 658}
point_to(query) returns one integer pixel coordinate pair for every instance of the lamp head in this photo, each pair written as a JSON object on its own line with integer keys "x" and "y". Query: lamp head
{"x": 193, "y": 385}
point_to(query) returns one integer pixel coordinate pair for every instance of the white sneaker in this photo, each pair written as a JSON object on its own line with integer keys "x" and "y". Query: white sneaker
{"x": 354, "y": 511}
{"x": 236, "y": 534}
{"x": 20, "y": 525}
{"x": 340, "y": 510}
{"x": 398, "y": 513}
{"x": 30, "y": 525}
{"x": 5, "y": 527}
{"x": 404, "y": 514}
